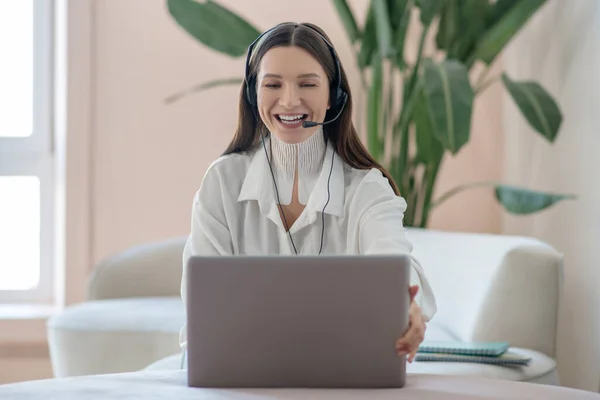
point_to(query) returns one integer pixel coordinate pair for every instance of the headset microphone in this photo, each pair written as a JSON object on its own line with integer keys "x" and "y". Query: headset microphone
{"x": 308, "y": 124}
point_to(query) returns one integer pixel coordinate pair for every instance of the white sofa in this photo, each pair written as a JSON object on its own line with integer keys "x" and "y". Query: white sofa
{"x": 487, "y": 287}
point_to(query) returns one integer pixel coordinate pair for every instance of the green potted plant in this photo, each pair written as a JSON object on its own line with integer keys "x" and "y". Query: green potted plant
{"x": 425, "y": 105}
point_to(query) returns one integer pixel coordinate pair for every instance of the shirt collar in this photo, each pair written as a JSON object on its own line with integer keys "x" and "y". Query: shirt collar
{"x": 258, "y": 184}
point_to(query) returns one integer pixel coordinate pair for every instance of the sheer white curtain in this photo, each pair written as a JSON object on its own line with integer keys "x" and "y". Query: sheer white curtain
{"x": 560, "y": 48}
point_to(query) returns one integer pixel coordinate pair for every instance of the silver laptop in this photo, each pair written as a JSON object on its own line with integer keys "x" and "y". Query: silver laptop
{"x": 297, "y": 321}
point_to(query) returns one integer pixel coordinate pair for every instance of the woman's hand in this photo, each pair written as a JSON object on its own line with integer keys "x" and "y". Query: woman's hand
{"x": 409, "y": 343}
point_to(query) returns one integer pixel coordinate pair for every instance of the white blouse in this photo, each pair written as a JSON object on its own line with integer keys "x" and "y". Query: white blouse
{"x": 235, "y": 213}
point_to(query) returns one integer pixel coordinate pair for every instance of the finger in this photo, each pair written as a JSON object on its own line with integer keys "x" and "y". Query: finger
{"x": 413, "y": 338}
{"x": 412, "y": 290}
{"x": 410, "y": 342}
{"x": 402, "y": 346}
{"x": 415, "y": 332}
{"x": 412, "y": 347}
{"x": 414, "y": 314}
{"x": 412, "y": 356}
{"x": 415, "y": 321}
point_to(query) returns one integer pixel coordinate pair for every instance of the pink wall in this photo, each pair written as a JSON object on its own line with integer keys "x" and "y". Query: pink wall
{"x": 148, "y": 158}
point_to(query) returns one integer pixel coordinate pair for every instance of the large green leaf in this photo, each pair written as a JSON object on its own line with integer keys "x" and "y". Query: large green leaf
{"x": 429, "y": 9}
{"x": 462, "y": 22}
{"x": 514, "y": 199}
{"x": 396, "y": 9}
{"x": 214, "y": 25}
{"x": 536, "y": 105}
{"x": 374, "y": 109}
{"x": 496, "y": 11}
{"x": 368, "y": 43}
{"x": 471, "y": 15}
{"x": 524, "y": 201}
{"x": 347, "y": 18}
{"x": 492, "y": 42}
{"x": 400, "y": 22}
{"x": 448, "y": 27}
{"x": 450, "y": 101}
{"x": 384, "y": 29}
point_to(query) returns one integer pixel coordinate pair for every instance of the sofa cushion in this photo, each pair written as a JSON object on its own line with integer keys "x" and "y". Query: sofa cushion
{"x": 542, "y": 369}
{"x": 114, "y": 335}
{"x": 168, "y": 363}
{"x": 156, "y": 314}
{"x": 437, "y": 333}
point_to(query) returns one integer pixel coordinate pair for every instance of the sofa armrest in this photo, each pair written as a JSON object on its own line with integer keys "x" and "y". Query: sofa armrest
{"x": 149, "y": 270}
{"x": 493, "y": 287}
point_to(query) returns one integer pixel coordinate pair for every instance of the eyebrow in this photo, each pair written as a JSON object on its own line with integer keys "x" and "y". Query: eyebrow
{"x": 309, "y": 75}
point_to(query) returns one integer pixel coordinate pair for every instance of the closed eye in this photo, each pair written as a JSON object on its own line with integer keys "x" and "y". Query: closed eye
{"x": 302, "y": 85}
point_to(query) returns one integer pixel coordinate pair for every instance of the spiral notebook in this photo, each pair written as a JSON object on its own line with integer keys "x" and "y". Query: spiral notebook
{"x": 507, "y": 358}
{"x": 464, "y": 348}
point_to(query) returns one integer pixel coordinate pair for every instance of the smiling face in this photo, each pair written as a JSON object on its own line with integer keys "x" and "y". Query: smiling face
{"x": 292, "y": 86}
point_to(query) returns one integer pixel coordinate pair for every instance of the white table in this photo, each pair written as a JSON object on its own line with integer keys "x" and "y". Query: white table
{"x": 167, "y": 385}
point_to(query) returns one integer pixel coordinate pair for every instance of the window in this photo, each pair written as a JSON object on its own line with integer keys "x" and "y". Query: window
{"x": 26, "y": 162}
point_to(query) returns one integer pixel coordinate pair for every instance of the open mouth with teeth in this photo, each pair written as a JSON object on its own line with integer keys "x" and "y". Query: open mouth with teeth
{"x": 291, "y": 120}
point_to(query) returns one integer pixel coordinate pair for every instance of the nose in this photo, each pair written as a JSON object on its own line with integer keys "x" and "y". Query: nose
{"x": 289, "y": 97}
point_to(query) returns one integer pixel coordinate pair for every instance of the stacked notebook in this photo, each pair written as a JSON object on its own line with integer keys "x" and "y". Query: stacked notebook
{"x": 475, "y": 352}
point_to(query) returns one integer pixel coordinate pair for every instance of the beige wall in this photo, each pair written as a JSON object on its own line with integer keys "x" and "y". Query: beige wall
{"x": 19, "y": 369}
{"x": 148, "y": 158}
{"x": 23, "y": 348}
{"x": 561, "y": 49}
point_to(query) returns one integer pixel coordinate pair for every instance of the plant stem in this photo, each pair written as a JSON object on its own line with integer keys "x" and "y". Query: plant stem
{"x": 482, "y": 77}
{"x": 389, "y": 109}
{"x": 485, "y": 85}
{"x": 403, "y": 126}
{"x": 458, "y": 189}
{"x": 364, "y": 87}
{"x": 202, "y": 86}
{"x": 431, "y": 174}
{"x": 411, "y": 195}
{"x": 409, "y": 99}
{"x": 415, "y": 72}
{"x": 407, "y": 109}
{"x": 363, "y": 79}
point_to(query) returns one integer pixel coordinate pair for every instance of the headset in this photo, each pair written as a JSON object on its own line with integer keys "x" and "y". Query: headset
{"x": 337, "y": 99}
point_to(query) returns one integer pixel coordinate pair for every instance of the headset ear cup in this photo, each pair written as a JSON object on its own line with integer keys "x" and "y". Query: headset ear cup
{"x": 341, "y": 97}
{"x": 250, "y": 94}
{"x": 338, "y": 99}
{"x": 338, "y": 96}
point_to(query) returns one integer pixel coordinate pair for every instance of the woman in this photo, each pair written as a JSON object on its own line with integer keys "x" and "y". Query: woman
{"x": 286, "y": 185}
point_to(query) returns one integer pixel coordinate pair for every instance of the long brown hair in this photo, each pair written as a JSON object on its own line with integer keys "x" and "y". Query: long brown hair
{"x": 341, "y": 132}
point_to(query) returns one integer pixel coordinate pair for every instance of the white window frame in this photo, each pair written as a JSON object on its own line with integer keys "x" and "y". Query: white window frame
{"x": 34, "y": 156}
